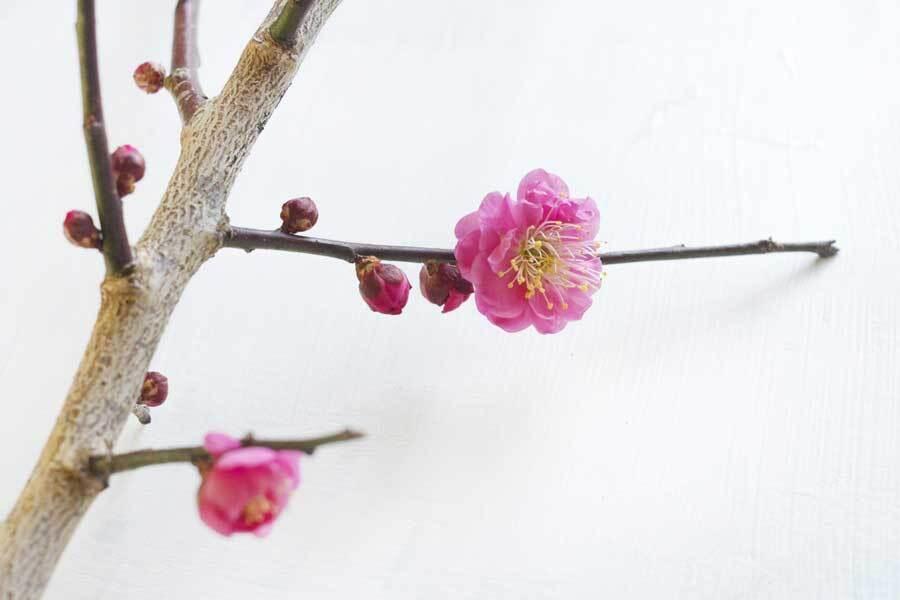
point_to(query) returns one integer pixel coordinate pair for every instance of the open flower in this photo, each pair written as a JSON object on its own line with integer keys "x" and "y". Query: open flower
{"x": 533, "y": 261}
{"x": 246, "y": 488}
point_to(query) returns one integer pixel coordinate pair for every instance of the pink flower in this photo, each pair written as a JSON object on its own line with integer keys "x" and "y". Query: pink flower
{"x": 533, "y": 261}
{"x": 247, "y": 487}
{"x": 384, "y": 287}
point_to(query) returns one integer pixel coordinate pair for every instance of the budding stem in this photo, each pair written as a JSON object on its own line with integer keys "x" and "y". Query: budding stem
{"x": 253, "y": 239}
{"x": 105, "y": 465}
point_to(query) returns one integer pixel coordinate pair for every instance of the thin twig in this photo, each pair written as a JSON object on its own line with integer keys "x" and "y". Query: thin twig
{"x": 184, "y": 82}
{"x": 105, "y": 465}
{"x": 253, "y": 239}
{"x": 285, "y": 27}
{"x": 116, "y": 249}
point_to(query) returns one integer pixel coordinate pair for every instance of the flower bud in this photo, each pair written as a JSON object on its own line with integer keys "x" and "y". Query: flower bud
{"x": 150, "y": 77}
{"x": 442, "y": 284}
{"x": 299, "y": 214}
{"x": 79, "y": 229}
{"x": 384, "y": 288}
{"x": 155, "y": 389}
{"x": 128, "y": 168}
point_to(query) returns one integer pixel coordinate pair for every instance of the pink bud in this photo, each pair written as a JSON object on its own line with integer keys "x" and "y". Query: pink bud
{"x": 384, "y": 288}
{"x": 79, "y": 229}
{"x": 299, "y": 214}
{"x": 155, "y": 389}
{"x": 442, "y": 284}
{"x": 150, "y": 77}
{"x": 128, "y": 168}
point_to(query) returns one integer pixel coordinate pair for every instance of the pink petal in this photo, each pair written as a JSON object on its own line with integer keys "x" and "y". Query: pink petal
{"x": 217, "y": 443}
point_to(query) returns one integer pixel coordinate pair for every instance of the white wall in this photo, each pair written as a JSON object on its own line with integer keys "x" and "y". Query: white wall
{"x": 712, "y": 429}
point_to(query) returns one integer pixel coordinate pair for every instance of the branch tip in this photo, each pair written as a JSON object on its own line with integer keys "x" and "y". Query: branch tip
{"x": 252, "y": 239}
{"x": 116, "y": 248}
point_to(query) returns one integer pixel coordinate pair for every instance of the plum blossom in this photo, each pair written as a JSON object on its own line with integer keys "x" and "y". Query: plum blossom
{"x": 247, "y": 487}
{"x": 533, "y": 260}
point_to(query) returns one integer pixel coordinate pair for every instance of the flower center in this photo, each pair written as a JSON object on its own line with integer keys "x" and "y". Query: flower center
{"x": 256, "y": 510}
{"x": 553, "y": 258}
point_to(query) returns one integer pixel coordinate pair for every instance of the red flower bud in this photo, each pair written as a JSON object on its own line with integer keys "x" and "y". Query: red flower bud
{"x": 155, "y": 389}
{"x": 442, "y": 284}
{"x": 298, "y": 215}
{"x": 79, "y": 229}
{"x": 384, "y": 288}
{"x": 128, "y": 168}
{"x": 150, "y": 77}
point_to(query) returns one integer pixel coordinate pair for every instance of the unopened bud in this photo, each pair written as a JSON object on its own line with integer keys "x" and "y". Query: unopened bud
{"x": 384, "y": 288}
{"x": 299, "y": 214}
{"x": 128, "y": 168}
{"x": 442, "y": 284}
{"x": 155, "y": 389}
{"x": 150, "y": 77}
{"x": 79, "y": 229}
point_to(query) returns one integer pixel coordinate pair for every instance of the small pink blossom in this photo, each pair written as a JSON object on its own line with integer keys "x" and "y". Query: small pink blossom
{"x": 384, "y": 287}
{"x": 247, "y": 487}
{"x": 533, "y": 261}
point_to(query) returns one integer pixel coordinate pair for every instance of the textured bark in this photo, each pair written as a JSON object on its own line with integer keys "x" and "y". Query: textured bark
{"x": 185, "y": 231}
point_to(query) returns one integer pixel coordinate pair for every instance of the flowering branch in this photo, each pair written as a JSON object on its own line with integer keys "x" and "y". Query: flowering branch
{"x": 116, "y": 249}
{"x": 184, "y": 83}
{"x": 105, "y": 465}
{"x": 285, "y": 27}
{"x": 253, "y": 239}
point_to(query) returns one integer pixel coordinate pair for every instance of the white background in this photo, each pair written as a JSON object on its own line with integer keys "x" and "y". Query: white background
{"x": 713, "y": 429}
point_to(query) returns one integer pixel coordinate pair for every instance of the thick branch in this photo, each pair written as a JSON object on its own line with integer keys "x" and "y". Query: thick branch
{"x": 104, "y": 465}
{"x": 185, "y": 231}
{"x": 184, "y": 82}
{"x": 286, "y": 26}
{"x": 253, "y": 239}
{"x": 109, "y": 207}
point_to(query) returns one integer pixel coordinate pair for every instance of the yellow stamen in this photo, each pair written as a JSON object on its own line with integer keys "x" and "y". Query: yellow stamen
{"x": 256, "y": 510}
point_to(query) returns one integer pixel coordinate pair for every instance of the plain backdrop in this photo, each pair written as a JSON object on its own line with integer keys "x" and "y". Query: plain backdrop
{"x": 716, "y": 429}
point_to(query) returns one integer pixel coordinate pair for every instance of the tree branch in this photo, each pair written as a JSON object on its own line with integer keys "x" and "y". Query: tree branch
{"x": 184, "y": 82}
{"x": 116, "y": 249}
{"x": 185, "y": 231}
{"x": 286, "y": 26}
{"x": 253, "y": 239}
{"x": 103, "y": 466}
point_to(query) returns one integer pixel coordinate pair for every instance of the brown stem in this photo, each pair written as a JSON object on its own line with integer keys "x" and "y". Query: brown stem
{"x": 183, "y": 82}
{"x": 116, "y": 249}
{"x": 105, "y": 465}
{"x": 253, "y": 239}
